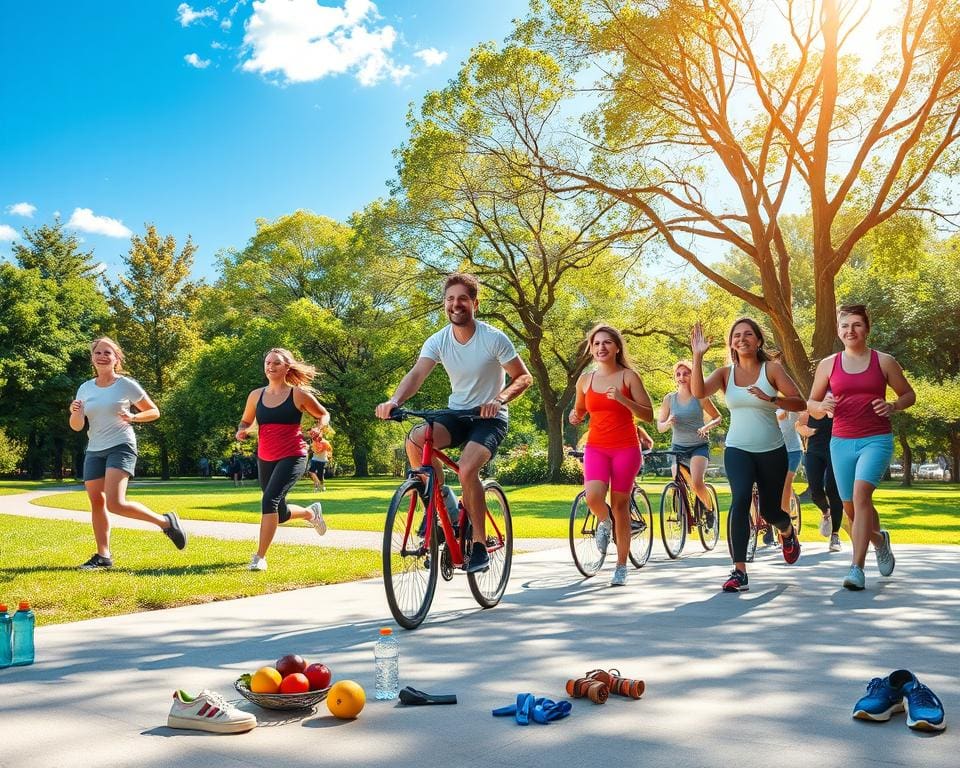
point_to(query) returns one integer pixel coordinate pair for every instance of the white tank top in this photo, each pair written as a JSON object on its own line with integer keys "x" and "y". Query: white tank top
{"x": 753, "y": 422}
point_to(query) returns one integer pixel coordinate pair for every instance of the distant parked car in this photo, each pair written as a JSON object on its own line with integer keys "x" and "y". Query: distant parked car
{"x": 896, "y": 470}
{"x": 933, "y": 472}
{"x": 714, "y": 470}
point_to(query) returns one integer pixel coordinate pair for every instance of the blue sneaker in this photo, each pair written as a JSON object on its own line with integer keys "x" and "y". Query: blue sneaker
{"x": 855, "y": 580}
{"x": 924, "y": 709}
{"x": 602, "y": 535}
{"x": 884, "y": 697}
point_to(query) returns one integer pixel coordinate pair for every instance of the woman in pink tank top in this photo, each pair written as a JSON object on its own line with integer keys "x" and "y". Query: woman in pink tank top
{"x": 851, "y": 387}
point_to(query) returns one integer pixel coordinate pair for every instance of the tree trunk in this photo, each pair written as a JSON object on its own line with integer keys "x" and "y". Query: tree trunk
{"x": 164, "y": 458}
{"x": 554, "y": 442}
{"x": 58, "y": 446}
{"x": 361, "y": 467}
{"x": 795, "y": 357}
{"x": 907, "y": 459}
{"x": 825, "y": 328}
{"x": 955, "y": 455}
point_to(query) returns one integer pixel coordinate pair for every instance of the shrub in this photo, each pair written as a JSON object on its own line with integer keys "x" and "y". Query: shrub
{"x": 523, "y": 467}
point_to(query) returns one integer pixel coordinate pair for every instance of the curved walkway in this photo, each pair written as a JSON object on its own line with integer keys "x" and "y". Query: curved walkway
{"x": 19, "y": 504}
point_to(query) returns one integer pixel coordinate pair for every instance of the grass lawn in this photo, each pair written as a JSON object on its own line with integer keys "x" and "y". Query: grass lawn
{"x": 923, "y": 514}
{"x": 39, "y": 558}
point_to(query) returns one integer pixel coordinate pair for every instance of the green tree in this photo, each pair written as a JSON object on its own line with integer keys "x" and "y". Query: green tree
{"x": 50, "y": 310}
{"x": 154, "y": 305}
{"x": 714, "y": 141}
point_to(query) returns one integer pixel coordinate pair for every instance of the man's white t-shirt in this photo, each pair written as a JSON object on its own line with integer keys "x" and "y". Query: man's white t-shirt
{"x": 475, "y": 369}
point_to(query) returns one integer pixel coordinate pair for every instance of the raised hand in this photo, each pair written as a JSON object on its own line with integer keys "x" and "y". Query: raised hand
{"x": 699, "y": 344}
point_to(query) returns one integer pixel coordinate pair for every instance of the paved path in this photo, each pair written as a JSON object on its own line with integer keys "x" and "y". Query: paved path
{"x": 294, "y": 533}
{"x": 765, "y": 678}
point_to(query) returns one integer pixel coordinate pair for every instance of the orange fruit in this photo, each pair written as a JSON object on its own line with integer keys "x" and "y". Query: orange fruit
{"x": 265, "y": 680}
{"x": 346, "y": 699}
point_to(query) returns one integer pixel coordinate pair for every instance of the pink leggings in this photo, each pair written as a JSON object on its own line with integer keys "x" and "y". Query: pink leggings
{"x": 617, "y": 467}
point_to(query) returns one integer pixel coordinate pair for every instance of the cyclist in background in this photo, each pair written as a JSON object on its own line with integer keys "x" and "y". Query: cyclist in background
{"x": 476, "y": 357}
{"x": 684, "y": 414}
{"x": 613, "y": 396}
{"x": 851, "y": 386}
{"x": 755, "y": 452}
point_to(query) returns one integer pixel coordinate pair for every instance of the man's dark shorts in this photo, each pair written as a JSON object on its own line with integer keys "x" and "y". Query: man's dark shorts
{"x": 488, "y": 432}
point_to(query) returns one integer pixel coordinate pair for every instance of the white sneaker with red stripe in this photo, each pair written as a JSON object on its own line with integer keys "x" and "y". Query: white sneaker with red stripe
{"x": 208, "y": 711}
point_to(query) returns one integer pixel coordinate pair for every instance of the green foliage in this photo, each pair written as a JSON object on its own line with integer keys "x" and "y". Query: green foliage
{"x": 523, "y": 467}
{"x": 11, "y": 454}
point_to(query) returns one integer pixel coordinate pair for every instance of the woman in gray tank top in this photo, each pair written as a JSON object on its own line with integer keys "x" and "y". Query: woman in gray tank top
{"x": 754, "y": 453}
{"x": 683, "y": 413}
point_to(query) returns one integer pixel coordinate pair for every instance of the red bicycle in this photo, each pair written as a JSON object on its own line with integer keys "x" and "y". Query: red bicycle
{"x": 421, "y": 542}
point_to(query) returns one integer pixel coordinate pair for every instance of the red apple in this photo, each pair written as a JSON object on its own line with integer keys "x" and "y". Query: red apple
{"x": 289, "y": 664}
{"x": 319, "y": 676}
{"x": 295, "y": 683}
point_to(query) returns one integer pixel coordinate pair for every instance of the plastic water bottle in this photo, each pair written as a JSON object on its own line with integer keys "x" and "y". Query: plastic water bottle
{"x": 386, "y": 653}
{"x": 6, "y": 637}
{"x": 453, "y": 507}
{"x": 23, "y": 624}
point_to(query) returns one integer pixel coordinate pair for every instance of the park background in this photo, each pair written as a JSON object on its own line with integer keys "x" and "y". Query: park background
{"x": 645, "y": 164}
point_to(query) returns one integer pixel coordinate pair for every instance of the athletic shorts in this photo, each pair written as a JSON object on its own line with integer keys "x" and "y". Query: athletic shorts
{"x": 689, "y": 451}
{"x": 617, "y": 467}
{"x": 317, "y": 466}
{"x": 859, "y": 458}
{"x": 96, "y": 463}
{"x": 488, "y": 432}
{"x": 793, "y": 461}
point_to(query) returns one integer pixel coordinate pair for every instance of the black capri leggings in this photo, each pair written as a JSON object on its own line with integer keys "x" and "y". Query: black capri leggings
{"x": 277, "y": 478}
{"x": 823, "y": 486}
{"x": 769, "y": 471}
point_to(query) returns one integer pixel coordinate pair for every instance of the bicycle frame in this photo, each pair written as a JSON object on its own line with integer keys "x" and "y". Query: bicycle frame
{"x": 437, "y": 510}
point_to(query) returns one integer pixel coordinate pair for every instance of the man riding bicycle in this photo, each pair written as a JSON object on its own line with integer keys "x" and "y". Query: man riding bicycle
{"x": 477, "y": 358}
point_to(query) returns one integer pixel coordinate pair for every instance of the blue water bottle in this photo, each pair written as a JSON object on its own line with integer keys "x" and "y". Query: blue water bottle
{"x": 23, "y": 624}
{"x": 6, "y": 637}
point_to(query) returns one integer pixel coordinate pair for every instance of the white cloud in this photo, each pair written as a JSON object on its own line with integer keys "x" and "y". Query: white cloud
{"x": 84, "y": 220}
{"x": 302, "y": 41}
{"x": 195, "y": 61}
{"x": 226, "y": 24}
{"x": 7, "y": 233}
{"x": 218, "y": 45}
{"x": 187, "y": 15}
{"x": 431, "y": 56}
{"x": 22, "y": 209}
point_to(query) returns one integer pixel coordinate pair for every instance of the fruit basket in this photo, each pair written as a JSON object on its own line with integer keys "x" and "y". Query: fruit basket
{"x": 280, "y": 700}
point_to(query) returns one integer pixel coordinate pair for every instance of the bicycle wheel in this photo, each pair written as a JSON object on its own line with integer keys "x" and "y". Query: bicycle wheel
{"x": 708, "y": 521}
{"x": 488, "y": 586}
{"x": 583, "y": 544}
{"x": 795, "y": 517}
{"x": 751, "y": 541}
{"x": 641, "y": 527}
{"x": 673, "y": 520}
{"x": 409, "y": 581}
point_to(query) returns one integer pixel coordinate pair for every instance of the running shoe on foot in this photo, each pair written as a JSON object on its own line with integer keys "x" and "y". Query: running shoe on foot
{"x": 855, "y": 580}
{"x": 924, "y": 709}
{"x": 885, "y": 559}
{"x": 96, "y": 563}
{"x": 174, "y": 532}
{"x": 737, "y": 582}
{"x": 835, "y": 542}
{"x": 258, "y": 563}
{"x": 317, "y": 520}
{"x": 208, "y": 711}
{"x": 619, "y": 576}
{"x": 791, "y": 547}
{"x": 602, "y": 535}
{"x": 826, "y": 525}
{"x": 479, "y": 560}
{"x": 884, "y": 697}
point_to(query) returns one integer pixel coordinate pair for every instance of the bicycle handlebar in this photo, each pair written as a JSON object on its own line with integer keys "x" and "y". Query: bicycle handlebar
{"x": 400, "y": 414}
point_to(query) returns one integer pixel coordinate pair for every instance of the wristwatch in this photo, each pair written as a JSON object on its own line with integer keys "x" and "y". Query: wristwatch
{"x": 499, "y": 401}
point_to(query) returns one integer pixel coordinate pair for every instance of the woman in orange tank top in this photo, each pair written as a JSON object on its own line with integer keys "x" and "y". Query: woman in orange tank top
{"x": 613, "y": 396}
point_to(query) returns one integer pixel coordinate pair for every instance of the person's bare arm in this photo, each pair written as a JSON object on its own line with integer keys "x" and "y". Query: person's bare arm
{"x": 408, "y": 387}
{"x": 147, "y": 411}
{"x": 306, "y": 401}
{"x": 898, "y": 383}
{"x": 715, "y": 418}
{"x": 666, "y": 419}
{"x": 579, "y": 411}
{"x": 249, "y": 414}
{"x": 821, "y": 404}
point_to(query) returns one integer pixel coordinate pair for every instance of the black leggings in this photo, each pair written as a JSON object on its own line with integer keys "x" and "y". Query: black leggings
{"x": 823, "y": 486}
{"x": 277, "y": 478}
{"x": 768, "y": 470}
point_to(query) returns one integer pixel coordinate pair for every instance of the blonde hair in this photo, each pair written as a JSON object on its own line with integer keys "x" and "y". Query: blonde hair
{"x": 688, "y": 364}
{"x": 299, "y": 374}
{"x": 118, "y": 366}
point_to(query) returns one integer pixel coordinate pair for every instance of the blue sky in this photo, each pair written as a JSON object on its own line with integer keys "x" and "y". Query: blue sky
{"x": 201, "y": 117}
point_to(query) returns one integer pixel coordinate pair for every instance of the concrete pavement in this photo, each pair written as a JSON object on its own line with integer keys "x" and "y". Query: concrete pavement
{"x": 762, "y": 678}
